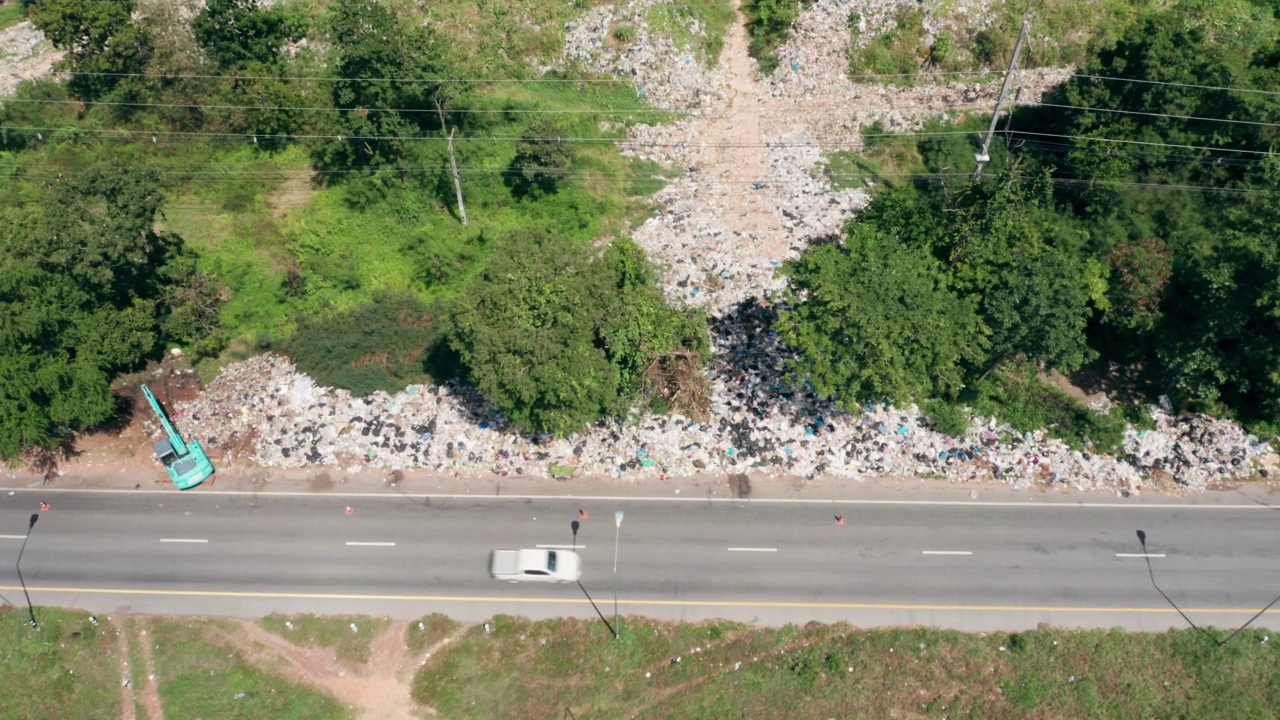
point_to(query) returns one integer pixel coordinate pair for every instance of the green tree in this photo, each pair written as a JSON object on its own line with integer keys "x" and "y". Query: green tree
{"x": 387, "y": 88}
{"x": 526, "y": 332}
{"x": 1219, "y": 336}
{"x": 235, "y": 32}
{"x": 555, "y": 337}
{"x": 84, "y": 279}
{"x": 542, "y": 159}
{"x": 1139, "y": 272}
{"x": 874, "y": 320}
{"x": 1039, "y": 310}
{"x": 99, "y": 36}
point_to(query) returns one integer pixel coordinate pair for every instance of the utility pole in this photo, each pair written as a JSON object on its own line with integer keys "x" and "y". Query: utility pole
{"x": 453, "y": 161}
{"x": 984, "y": 157}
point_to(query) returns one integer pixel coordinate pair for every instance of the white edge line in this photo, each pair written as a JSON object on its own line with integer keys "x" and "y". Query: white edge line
{"x": 663, "y": 499}
{"x": 370, "y": 544}
{"x": 1139, "y": 555}
{"x": 744, "y": 549}
{"x": 13, "y": 537}
{"x": 650, "y": 498}
{"x": 946, "y": 552}
{"x": 562, "y": 547}
{"x": 184, "y": 540}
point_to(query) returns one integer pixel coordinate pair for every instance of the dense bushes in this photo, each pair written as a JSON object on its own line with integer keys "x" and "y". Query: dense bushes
{"x": 1098, "y": 230}
{"x": 556, "y": 335}
{"x": 769, "y": 25}
{"x": 384, "y": 345}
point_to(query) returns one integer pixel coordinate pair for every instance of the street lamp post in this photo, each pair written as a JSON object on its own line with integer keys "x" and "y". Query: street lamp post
{"x": 31, "y": 612}
{"x": 617, "y": 524}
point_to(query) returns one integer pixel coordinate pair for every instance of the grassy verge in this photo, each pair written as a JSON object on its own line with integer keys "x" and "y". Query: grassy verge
{"x": 201, "y": 679}
{"x": 429, "y": 630}
{"x": 351, "y": 647}
{"x": 66, "y": 669}
{"x": 525, "y": 669}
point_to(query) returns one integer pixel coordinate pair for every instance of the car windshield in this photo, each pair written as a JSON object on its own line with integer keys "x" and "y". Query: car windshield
{"x": 551, "y": 560}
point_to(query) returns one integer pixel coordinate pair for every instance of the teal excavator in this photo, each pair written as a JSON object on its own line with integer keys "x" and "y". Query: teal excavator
{"x": 186, "y": 462}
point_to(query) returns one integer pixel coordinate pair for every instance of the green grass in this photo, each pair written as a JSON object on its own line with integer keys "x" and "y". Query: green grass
{"x": 63, "y": 670}
{"x": 429, "y": 630}
{"x": 351, "y": 647}
{"x": 524, "y": 669}
{"x": 12, "y": 13}
{"x": 769, "y": 26}
{"x": 202, "y": 679}
{"x": 1062, "y": 30}
{"x": 1015, "y": 395}
{"x": 502, "y": 37}
{"x": 676, "y": 20}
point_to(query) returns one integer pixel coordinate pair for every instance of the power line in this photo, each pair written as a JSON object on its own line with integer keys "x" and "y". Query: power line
{"x": 472, "y": 171}
{"x": 579, "y": 111}
{"x": 330, "y": 108}
{"x": 619, "y": 80}
{"x": 1264, "y": 153}
{"x": 1152, "y": 114}
{"x": 1177, "y": 84}
{"x": 435, "y": 138}
{"x": 851, "y": 142}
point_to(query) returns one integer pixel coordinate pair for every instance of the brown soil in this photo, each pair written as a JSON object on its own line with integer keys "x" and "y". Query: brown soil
{"x": 378, "y": 691}
{"x": 126, "y": 689}
{"x": 292, "y": 193}
{"x": 149, "y": 686}
{"x": 736, "y": 136}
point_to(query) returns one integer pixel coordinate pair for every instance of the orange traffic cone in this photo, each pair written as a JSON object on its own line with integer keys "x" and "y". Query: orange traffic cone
{"x": 582, "y": 514}
{"x": 351, "y": 510}
{"x": 839, "y": 519}
{"x": 43, "y": 506}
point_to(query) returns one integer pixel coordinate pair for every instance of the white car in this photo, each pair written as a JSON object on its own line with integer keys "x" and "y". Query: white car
{"x": 554, "y": 566}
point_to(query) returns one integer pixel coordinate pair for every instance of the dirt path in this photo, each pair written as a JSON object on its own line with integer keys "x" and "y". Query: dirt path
{"x": 127, "y": 710}
{"x": 749, "y": 195}
{"x": 150, "y": 687}
{"x": 736, "y": 137}
{"x": 378, "y": 691}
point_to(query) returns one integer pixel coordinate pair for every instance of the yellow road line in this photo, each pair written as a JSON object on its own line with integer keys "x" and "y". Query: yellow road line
{"x": 664, "y": 603}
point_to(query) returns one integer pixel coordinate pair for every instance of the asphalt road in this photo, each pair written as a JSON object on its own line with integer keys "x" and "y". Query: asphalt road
{"x": 963, "y": 566}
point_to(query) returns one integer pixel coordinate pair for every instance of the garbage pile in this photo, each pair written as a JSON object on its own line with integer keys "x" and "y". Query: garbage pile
{"x": 751, "y": 195}
{"x": 617, "y": 39}
{"x": 24, "y": 54}
{"x": 760, "y": 423}
{"x": 707, "y": 261}
{"x": 813, "y": 71}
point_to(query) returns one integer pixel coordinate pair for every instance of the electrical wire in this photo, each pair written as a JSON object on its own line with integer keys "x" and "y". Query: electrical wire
{"x": 1177, "y": 84}
{"x": 155, "y": 134}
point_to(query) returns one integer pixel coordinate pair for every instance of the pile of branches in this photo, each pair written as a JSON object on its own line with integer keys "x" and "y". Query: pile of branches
{"x": 678, "y": 378}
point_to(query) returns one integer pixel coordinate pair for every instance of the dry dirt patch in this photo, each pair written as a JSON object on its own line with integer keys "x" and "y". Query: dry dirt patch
{"x": 377, "y": 691}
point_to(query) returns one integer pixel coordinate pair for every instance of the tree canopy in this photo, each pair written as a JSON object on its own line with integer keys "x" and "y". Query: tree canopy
{"x": 235, "y": 32}
{"x": 99, "y": 38}
{"x": 85, "y": 285}
{"x": 556, "y": 337}
{"x": 873, "y": 319}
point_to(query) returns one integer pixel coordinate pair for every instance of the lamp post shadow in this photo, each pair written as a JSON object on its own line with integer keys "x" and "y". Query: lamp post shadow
{"x": 31, "y": 611}
{"x": 1142, "y": 540}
